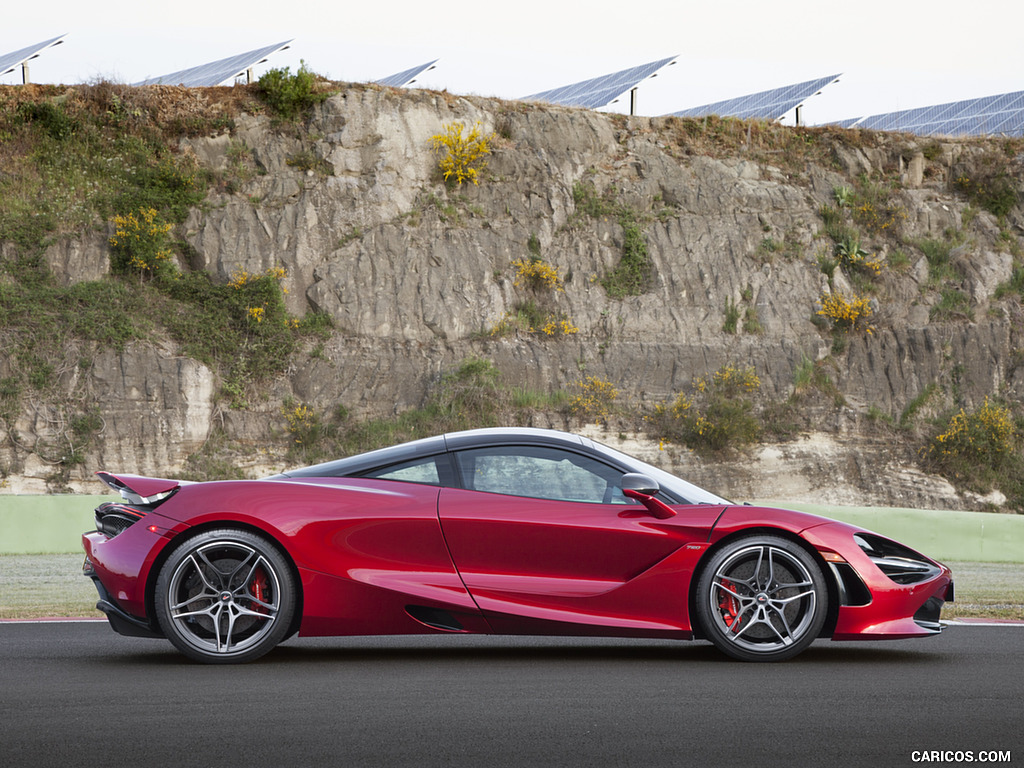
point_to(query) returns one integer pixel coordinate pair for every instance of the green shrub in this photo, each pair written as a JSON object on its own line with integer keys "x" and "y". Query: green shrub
{"x": 589, "y": 203}
{"x": 632, "y": 274}
{"x": 288, "y": 95}
{"x": 732, "y": 317}
{"x": 1015, "y": 285}
{"x": 51, "y": 118}
{"x": 938, "y": 252}
{"x": 953, "y": 304}
{"x": 751, "y": 322}
{"x": 533, "y": 246}
{"x": 988, "y": 182}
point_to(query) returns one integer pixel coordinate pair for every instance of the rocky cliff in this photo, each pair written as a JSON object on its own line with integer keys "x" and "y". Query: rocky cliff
{"x": 418, "y": 275}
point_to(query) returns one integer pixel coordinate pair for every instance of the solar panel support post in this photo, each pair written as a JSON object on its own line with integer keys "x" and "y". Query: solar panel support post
{"x": 632, "y": 102}
{"x": 24, "y": 73}
{"x": 799, "y": 114}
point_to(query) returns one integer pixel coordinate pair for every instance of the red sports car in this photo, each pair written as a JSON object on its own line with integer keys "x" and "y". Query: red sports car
{"x": 504, "y": 531}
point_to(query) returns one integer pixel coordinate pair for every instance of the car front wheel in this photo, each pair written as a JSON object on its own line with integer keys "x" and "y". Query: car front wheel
{"x": 762, "y": 598}
{"x": 225, "y": 596}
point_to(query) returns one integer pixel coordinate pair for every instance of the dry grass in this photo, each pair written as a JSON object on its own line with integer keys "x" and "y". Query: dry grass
{"x": 35, "y": 586}
{"x": 987, "y": 590}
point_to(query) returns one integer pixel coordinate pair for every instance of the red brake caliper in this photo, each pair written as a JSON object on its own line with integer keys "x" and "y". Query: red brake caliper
{"x": 729, "y": 605}
{"x": 256, "y": 588}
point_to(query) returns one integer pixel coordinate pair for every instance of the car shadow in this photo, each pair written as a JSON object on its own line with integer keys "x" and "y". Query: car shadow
{"x": 426, "y": 650}
{"x": 577, "y": 652}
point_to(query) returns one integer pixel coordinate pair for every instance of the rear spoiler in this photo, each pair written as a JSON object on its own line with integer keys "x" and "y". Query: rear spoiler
{"x": 140, "y": 490}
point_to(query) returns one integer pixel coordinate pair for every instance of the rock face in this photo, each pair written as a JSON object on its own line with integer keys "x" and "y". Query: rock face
{"x": 417, "y": 276}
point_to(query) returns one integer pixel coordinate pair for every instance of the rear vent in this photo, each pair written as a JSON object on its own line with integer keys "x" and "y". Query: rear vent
{"x": 113, "y": 518}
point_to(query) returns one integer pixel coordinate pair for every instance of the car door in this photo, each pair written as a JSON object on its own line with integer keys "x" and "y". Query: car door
{"x": 545, "y": 542}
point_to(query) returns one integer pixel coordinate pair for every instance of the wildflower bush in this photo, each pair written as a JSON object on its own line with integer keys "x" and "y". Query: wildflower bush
{"x": 462, "y": 155}
{"x": 140, "y": 244}
{"x": 717, "y": 414}
{"x": 594, "y": 401}
{"x": 846, "y": 314}
{"x": 537, "y": 274}
{"x": 303, "y": 422}
{"x": 527, "y": 318}
{"x": 980, "y": 449}
{"x": 261, "y": 297}
{"x": 985, "y": 436}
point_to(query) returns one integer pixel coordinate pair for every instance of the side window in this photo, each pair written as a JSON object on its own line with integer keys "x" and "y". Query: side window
{"x": 417, "y": 471}
{"x": 539, "y": 473}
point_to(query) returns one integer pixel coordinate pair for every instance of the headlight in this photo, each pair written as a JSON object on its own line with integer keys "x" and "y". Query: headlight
{"x": 901, "y": 564}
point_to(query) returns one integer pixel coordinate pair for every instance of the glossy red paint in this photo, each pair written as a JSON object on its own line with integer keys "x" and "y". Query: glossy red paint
{"x": 538, "y": 566}
{"x": 124, "y": 568}
{"x": 889, "y": 615}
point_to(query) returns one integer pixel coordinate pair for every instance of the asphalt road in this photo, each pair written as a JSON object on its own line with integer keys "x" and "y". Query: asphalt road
{"x": 79, "y": 695}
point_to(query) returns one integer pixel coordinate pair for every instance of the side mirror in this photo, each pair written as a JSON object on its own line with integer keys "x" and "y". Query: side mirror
{"x": 644, "y": 489}
{"x": 634, "y": 481}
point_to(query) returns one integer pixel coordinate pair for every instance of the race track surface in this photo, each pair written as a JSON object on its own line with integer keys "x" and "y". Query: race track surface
{"x": 76, "y": 694}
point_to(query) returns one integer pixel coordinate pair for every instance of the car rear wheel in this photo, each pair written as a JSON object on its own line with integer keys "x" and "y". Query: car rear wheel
{"x": 225, "y": 596}
{"x": 762, "y": 598}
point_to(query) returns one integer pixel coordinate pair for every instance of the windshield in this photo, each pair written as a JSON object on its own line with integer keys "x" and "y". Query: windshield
{"x": 688, "y": 492}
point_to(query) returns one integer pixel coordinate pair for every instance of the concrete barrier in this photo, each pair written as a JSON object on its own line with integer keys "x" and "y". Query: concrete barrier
{"x": 984, "y": 537}
{"x": 54, "y": 524}
{"x": 46, "y": 524}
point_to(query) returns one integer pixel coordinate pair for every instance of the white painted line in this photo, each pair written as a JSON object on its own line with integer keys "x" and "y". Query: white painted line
{"x": 52, "y": 620}
{"x": 982, "y": 623}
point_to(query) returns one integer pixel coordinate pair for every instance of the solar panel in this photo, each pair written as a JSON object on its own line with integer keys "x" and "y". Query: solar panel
{"x": 766, "y": 105}
{"x": 408, "y": 76}
{"x": 601, "y": 91}
{"x": 11, "y": 61}
{"x": 1001, "y": 115}
{"x": 217, "y": 72}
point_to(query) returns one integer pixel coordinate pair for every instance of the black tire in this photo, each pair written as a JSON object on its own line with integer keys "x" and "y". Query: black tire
{"x": 225, "y": 597}
{"x": 762, "y": 598}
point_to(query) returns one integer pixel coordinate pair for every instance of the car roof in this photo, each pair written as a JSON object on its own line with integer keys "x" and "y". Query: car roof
{"x": 452, "y": 441}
